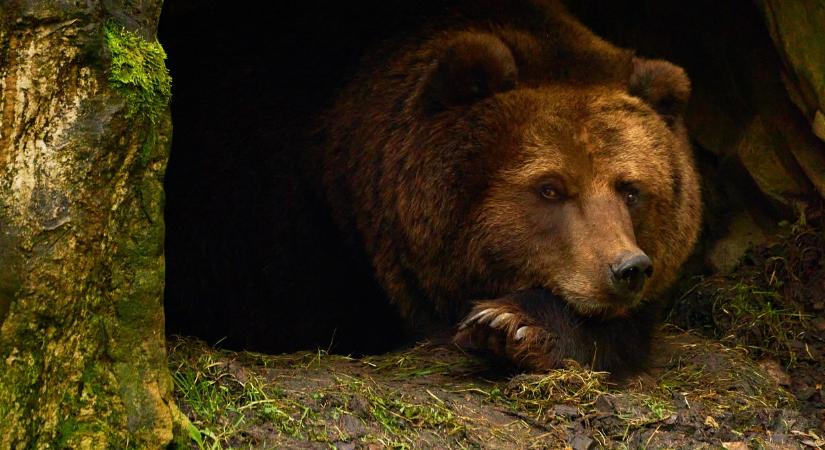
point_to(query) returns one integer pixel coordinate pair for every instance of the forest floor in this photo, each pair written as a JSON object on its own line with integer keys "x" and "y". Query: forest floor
{"x": 740, "y": 364}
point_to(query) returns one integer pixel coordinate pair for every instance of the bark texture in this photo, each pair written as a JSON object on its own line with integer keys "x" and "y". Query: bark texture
{"x": 84, "y": 133}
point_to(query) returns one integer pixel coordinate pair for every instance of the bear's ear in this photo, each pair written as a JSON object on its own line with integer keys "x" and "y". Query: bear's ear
{"x": 470, "y": 67}
{"x": 662, "y": 85}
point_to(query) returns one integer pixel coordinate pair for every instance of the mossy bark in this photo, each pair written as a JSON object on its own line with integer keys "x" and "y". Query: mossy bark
{"x": 82, "y": 354}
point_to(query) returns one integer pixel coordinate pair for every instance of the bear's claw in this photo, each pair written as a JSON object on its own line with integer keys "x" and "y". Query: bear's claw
{"x": 501, "y": 320}
{"x": 501, "y": 327}
{"x": 480, "y": 317}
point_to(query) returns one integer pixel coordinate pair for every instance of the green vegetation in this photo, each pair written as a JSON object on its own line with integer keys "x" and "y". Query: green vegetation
{"x": 724, "y": 378}
{"x": 226, "y": 398}
{"x": 768, "y": 305}
{"x": 223, "y": 400}
{"x": 138, "y": 72}
{"x": 437, "y": 397}
{"x": 758, "y": 317}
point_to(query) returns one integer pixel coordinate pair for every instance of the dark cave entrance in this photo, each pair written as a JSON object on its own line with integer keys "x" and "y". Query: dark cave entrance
{"x": 252, "y": 260}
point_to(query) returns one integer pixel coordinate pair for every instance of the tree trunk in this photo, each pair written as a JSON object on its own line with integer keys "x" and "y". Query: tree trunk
{"x": 84, "y": 134}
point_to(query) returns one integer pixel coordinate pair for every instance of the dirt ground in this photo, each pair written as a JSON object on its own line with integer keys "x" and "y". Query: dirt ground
{"x": 739, "y": 365}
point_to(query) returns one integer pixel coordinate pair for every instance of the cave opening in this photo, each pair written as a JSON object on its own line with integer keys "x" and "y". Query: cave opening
{"x": 253, "y": 260}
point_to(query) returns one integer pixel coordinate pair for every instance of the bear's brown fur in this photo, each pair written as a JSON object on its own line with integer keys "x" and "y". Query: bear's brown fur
{"x": 512, "y": 160}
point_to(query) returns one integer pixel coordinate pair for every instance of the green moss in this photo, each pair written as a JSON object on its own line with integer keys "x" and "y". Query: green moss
{"x": 27, "y": 370}
{"x": 138, "y": 72}
{"x": 65, "y": 430}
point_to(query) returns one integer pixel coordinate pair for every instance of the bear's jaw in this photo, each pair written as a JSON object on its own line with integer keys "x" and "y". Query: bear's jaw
{"x": 588, "y": 306}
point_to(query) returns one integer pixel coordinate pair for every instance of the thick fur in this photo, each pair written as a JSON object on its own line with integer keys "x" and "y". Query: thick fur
{"x": 433, "y": 159}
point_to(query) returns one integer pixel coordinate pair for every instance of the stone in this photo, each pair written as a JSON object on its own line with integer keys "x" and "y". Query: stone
{"x": 762, "y": 151}
{"x": 743, "y": 233}
{"x": 582, "y": 442}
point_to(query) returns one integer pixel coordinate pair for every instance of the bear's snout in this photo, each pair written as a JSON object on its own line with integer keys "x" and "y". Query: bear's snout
{"x": 629, "y": 274}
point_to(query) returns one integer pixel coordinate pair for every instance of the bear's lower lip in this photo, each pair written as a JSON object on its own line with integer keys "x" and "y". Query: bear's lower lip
{"x": 623, "y": 300}
{"x": 608, "y": 310}
{"x": 618, "y": 312}
{"x": 613, "y": 306}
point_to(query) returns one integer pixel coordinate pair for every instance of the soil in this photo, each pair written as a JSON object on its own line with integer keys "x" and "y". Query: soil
{"x": 772, "y": 305}
{"x": 739, "y": 365}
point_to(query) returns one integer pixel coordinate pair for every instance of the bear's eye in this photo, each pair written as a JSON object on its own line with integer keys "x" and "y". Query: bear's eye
{"x": 631, "y": 198}
{"x": 630, "y": 194}
{"x": 551, "y": 192}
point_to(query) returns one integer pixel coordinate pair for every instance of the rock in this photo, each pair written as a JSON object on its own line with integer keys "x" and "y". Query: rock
{"x": 783, "y": 422}
{"x": 797, "y": 32}
{"x": 804, "y": 391}
{"x": 763, "y": 152}
{"x": 582, "y": 442}
{"x": 358, "y": 406}
{"x": 778, "y": 438}
{"x": 742, "y": 233}
{"x": 775, "y": 371}
{"x": 680, "y": 401}
{"x": 818, "y": 125}
{"x": 604, "y": 405}
{"x": 352, "y": 426}
{"x": 799, "y": 37}
{"x": 566, "y": 411}
{"x": 805, "y": 146}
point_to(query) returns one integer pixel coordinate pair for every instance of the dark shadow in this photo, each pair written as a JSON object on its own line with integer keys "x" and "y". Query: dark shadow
{"x": 252, "y": 259}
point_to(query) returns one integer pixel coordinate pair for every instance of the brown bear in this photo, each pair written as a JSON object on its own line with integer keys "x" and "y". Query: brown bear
{"x": 512, "y": 169}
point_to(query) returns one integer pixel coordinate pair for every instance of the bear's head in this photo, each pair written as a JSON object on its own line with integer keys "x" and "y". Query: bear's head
{"x": 479, "y": 163}
{"x": 586, "y": 189}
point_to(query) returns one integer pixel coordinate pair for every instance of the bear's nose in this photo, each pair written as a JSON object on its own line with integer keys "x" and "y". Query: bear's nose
{"x": 630, "y": 273}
